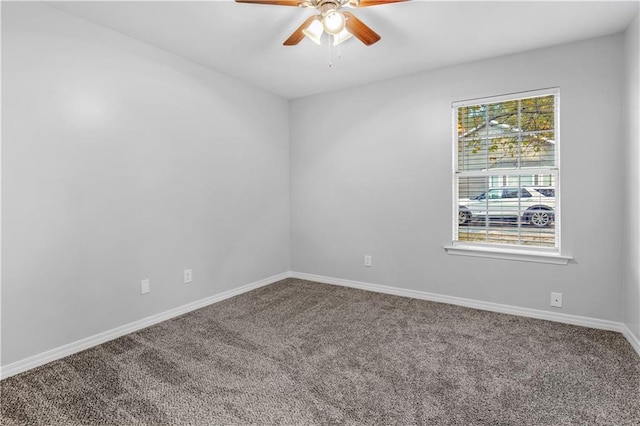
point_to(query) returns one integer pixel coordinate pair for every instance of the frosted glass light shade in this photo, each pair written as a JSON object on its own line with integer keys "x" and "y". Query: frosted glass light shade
{"x": 341, "y": 37}
{"x": 314, "y": 31}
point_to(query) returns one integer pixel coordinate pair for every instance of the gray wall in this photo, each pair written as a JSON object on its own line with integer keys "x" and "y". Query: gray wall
{"x": 375, "y": 179}
{"x": 631, "y": 248}
{"x": 122, "y": 162}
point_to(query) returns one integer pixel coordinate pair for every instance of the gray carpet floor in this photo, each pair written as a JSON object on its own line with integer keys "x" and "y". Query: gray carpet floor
{"x": 300, "y": 353}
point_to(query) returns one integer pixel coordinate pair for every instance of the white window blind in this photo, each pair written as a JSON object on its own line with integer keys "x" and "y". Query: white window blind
{"x": 506, "y": 185}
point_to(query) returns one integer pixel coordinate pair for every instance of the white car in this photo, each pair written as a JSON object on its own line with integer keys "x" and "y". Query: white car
{"x": 531, "y": 205}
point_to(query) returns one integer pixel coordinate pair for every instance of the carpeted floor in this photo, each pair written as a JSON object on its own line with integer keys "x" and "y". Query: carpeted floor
{"x": 300, "y": 353}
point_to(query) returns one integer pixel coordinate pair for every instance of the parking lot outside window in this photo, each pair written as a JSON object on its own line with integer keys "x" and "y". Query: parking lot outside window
{"x": 506, "y": 188}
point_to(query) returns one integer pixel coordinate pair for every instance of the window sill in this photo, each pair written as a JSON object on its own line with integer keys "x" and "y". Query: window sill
{"x": 508, "y": 254}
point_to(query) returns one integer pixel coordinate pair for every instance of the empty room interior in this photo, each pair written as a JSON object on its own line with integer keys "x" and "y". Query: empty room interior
{"x": 320, "y": 212}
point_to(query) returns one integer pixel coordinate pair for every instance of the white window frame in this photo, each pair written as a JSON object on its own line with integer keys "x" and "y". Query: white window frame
{"x": 507, "y": 251}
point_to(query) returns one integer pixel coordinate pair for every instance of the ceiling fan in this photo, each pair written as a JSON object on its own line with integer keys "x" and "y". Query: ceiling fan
{"x": 341, "y": 25}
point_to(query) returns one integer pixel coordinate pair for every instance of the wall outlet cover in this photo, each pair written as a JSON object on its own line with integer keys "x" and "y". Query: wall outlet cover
{"x": 145, "y": 286}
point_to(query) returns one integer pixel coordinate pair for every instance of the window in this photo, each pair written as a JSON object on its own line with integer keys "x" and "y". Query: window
{"x": 506, "y": 172}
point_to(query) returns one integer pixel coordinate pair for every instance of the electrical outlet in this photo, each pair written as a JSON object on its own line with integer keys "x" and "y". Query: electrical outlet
{"x": 367, "y": 260}
{"x": 145, "y": 287}
{"x": 188, "y": 276}
{"x": 556, "y": 300}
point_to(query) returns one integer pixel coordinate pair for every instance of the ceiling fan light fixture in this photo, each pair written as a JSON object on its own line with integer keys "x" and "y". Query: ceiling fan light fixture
{"x": 341, "y": 37}
{"x": 314, "y": 31}
{"x": 333, "y": 22}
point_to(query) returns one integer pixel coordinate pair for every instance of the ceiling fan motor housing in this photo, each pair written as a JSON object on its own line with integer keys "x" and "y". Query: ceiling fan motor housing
{"x": 319, "y": 3}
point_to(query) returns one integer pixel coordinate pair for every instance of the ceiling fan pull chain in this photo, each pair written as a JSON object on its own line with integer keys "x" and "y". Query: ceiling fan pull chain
{"x": 329, "y": 43}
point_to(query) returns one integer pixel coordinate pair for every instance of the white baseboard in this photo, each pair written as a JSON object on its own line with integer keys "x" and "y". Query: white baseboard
{"x": 478, "y": 304}
{"x": 633, "y": 339}
{"x": 86, "y": 343}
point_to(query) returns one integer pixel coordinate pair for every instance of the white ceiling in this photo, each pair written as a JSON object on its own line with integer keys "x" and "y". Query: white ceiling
{"x": 245, "y": 40}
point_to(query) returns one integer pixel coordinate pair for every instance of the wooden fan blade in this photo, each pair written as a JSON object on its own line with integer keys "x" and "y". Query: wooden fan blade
{"x": 360, "y": 30}
{"x": 367, "y": 3}
{"x": 298, "y": 35}
{"x": 295, "y": 3}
